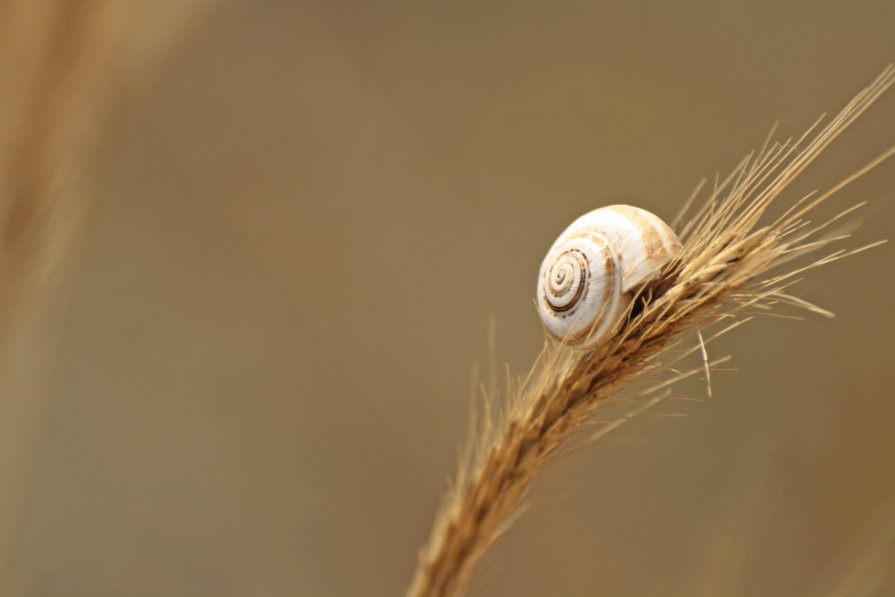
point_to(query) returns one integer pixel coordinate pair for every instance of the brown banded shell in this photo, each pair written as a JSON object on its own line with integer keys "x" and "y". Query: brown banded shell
{"x": 588, "y": 277}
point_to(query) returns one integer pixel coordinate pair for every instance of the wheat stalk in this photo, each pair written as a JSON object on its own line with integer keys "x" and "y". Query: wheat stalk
{"x": 63, "y": 63}
{"x": 718, "y": 281}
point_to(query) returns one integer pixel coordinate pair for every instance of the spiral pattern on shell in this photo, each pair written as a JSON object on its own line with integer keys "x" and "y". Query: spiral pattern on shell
{"x": 589, "y": 274}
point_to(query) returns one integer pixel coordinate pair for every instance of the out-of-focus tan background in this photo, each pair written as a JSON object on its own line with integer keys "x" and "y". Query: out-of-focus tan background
{"x": 299, "y": 233}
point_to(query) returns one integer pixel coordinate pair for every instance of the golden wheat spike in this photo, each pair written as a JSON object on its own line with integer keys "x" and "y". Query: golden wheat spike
{"x": 726, "y": 251}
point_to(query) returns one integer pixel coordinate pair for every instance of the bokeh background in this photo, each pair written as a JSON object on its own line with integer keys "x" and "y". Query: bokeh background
{"x": 300, "y": 230}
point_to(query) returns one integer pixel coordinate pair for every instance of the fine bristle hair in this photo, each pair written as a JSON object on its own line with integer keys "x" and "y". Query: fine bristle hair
{"x": 724, "y": 275}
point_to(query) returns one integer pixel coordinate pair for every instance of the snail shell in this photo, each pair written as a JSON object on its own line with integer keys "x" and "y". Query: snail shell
{"x": 587, "y": 279}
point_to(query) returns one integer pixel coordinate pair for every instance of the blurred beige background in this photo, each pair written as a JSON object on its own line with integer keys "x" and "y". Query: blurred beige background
{"x": 301, "y": 230}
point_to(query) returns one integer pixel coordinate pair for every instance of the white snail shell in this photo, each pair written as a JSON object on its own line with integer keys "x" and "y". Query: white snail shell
{"x": 586, "y": 280}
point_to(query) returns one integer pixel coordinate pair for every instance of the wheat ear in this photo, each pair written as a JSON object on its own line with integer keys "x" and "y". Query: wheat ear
{"x": 63, "y": 64}
{"x": 719, "y": 279}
